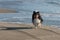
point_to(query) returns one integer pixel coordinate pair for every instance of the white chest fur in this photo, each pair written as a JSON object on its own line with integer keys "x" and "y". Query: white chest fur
{"x": 37, "y": 21}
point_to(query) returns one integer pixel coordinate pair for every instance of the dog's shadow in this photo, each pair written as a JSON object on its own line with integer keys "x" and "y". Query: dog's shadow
{"x": 15, "y": 28}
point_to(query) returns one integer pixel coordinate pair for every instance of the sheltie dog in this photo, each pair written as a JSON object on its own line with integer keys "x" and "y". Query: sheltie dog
{"x": 37, "y": 19}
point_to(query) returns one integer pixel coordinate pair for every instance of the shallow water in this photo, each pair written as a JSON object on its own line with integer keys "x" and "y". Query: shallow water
{"x": 49, "y": 10}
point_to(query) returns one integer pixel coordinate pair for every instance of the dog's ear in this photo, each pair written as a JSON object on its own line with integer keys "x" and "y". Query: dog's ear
{"x": 34, "y": 12}
{"x": 37, "y": 12}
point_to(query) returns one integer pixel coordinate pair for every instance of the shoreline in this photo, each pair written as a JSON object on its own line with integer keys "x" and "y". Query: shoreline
{"x": 54, "y": 26}
{"x": 12, "y": 24}
{"x": 14, "y": 31}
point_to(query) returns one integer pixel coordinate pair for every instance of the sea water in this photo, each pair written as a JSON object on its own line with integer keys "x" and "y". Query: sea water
{"x": 49, "y": 10}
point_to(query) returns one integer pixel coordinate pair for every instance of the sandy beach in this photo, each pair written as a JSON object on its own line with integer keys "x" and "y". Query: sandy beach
{"x": 4, "y": 10}
{"x": 14, "y": 31}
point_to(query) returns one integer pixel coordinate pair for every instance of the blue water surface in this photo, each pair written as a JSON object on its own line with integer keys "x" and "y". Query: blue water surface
{"x": 49, "y": 10}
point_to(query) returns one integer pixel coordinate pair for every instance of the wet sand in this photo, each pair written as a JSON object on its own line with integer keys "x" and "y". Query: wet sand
{"x": 4, "y": 10}
{"x": 14, "y": 31}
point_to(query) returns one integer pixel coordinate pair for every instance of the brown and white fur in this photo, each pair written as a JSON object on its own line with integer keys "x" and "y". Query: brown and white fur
{"x": 37, "y": 20}
{"x": 37, "y": 23}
